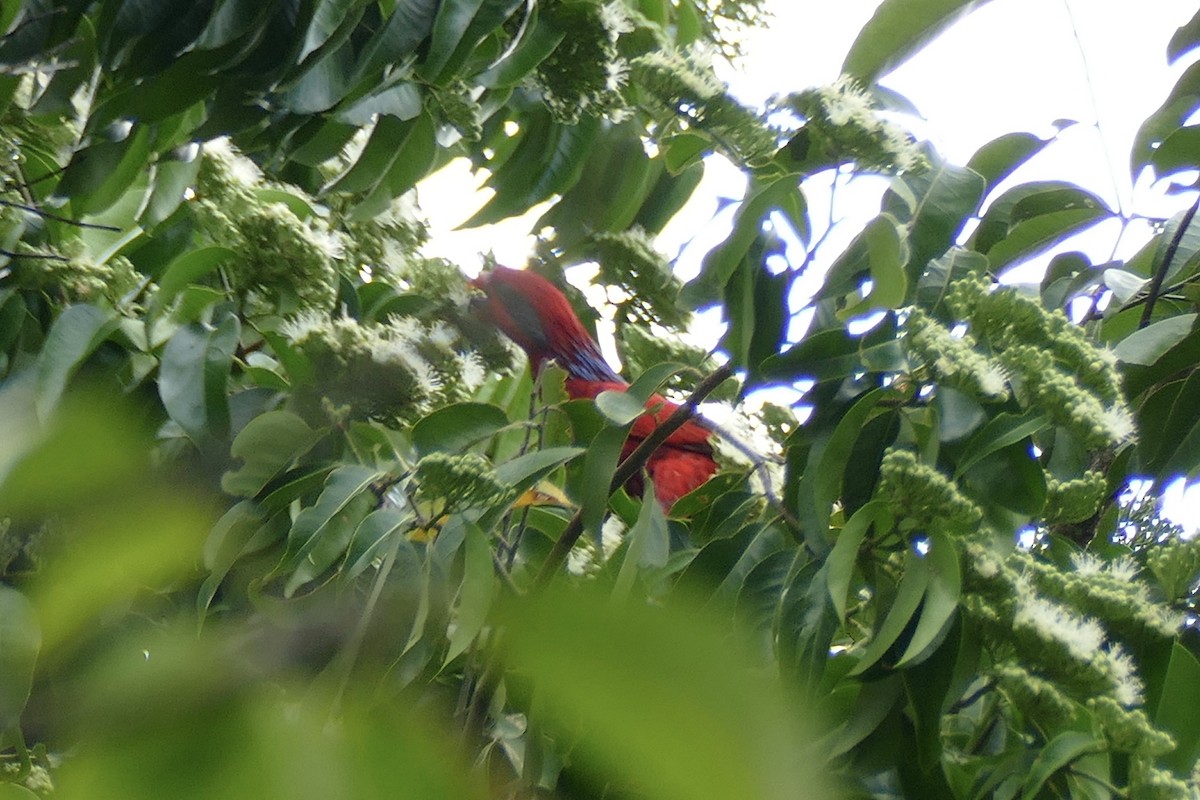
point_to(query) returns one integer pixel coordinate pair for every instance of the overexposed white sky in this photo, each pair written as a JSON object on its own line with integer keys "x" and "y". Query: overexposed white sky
{"x": 1012, "y": 65}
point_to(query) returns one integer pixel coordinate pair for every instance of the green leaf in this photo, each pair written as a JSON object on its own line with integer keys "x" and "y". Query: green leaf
{"x": 911, "y": 590}
{"x": 844, "y": 556}
{"x": 20, "y": 641}
{"x": 997, "y": 159}
{"x": 1177, "y": 703}
{"x": 74, "y": 336}
{"x": 193, "y": 377}
{"x": 682, "y": 150}
{"x": 946, "y": 197}
{"x": 459, "y": 27}
{"x": 723, "y": 261}
{"x": 415, "y": 156}
{"x": 618, "y": 407}
{"x": 1147, "y": 345}
{"x": 941, "y": 599}
{"x": 321, "y": 532}
{"x": 534, "y": 48}
{"x": 1058, "y": 754}
{"x": 100, "y": 174}
{"x": 649, "y": 544}
{"x": 1179, "y": 151}
{"x": 529, "y": 467}
{"x": 456, "y": 427}
{"x": 225, "y": 544}
{"x": 883, "y": 253}
{"x": 1033, "y": 236}
{"x": 1185, "y": 39}
{"x": 827, "y": 463}
{"x": 375, "y": 159}
{"x": 546, "y": 163}
{"x": 380, "y": 528}
{"x": 585, "y": 653}
{"x": 327, "y": 17}
{"x": 172, "y": 179}
{"x": 475, "y": 596}
{"x": 267, "y": 446}
{"x": 959, "y": 414}
{"x": 897, "y": 30}
{"x": 186, "y": 269}
{"x": 403, "y": 101}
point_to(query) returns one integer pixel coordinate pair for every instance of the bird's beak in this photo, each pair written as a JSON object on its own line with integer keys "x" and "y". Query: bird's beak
{"x": 477, "y": 301}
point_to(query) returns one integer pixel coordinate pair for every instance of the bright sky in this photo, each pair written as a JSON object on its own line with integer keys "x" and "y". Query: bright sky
{"x": 1009, "y": 66}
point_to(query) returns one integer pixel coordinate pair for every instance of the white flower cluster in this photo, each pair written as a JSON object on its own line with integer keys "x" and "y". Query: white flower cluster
{"x": 1081, "y": 637}
{"x": 849, "y": 117}
{"x": 234, "y": 166}
{"x": 396, "y": 368}
{"x": 954, "y": 359}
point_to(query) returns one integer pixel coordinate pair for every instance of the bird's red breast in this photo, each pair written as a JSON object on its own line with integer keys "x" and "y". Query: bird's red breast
{"x": 532, "y": 312}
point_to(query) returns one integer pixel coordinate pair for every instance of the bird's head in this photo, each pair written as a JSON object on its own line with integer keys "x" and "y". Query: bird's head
{"x": 532, "y": 312}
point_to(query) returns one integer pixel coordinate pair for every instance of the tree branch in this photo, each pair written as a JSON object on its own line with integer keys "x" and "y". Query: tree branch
{"x": 1168, "y": 257}
{"x": 630, "y": 467}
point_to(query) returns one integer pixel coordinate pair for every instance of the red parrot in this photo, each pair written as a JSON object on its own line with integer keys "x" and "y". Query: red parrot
{"x": 532, "y": 312}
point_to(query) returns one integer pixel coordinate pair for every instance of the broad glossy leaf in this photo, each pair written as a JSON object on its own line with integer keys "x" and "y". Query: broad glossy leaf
{"x": 454, "y": 428}
{"x": 997, "y": 159}
{"x": 376, "y": 158}
{"x": 1010, "y": 478}
{"x": 187, "y": 268}
{"x": 623, "y": 651}
{"x": 1002, "y": 431}
{"x": 547, "y": 163}
{"x": 649, "y": 544}
{"x": 1058, "y": 754}
{"x": 1180, "y": 453}
{"x": 408, "y": 25}
{"x": 827, "y": 463}
{"x": 402, "y": 101}
{"x": 1175, "y": 713}
{"x": 193, "y": 377}
{"x": 172, "y": 179}
{"x": 475, "y": 596}
{"x": 723, "y": 261}
{"x": 535, "y": 47}
{"x": 73, "y": 337}
{"x": 99, "y": 175}
{"x": 1179, "y": 105}
{"x": 20, "y": 641}
{"x": 460, "y": 25}
{"x": 415, "y": 156}
{"x": 1185, "y": 39}
{"x": 225, "y": 544}
{"x": 1147, "y": 345}
{"x": 1033, "y": 236}
{"x": 267, "y": 446}
{"x": 377, "y": 534}
{"x": 899, "y": 29}
{"x": 844, "y": 556}
{"x": 1179, "y": 151}
{"x": 913, "y": 584}
{"x": 321, "y": 532}
{"x": 529, "y": 467}
{"x": 327, "y": 17}
{"x": 941, "y": 599}
{"x": 946, "y": 197}
{"x": 959, "y": 414}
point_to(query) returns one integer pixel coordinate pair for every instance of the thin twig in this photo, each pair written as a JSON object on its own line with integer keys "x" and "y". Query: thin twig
{"x": 630, "y": 467}
{"x": 47, "y": 215}
{"x": 42, "y": 256}
{"x": 1168, "y": 257}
